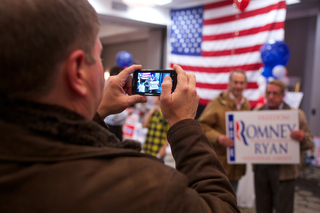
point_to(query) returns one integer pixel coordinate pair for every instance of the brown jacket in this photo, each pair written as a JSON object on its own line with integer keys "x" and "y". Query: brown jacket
{"x": 291, "y": 171}
{"x": 213, "y": 122}
{"x": 54, "y": 160}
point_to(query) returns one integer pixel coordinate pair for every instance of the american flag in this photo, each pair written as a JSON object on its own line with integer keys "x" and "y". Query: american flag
{"x": 145, "y": 75}
{"x": 212, "y": 40}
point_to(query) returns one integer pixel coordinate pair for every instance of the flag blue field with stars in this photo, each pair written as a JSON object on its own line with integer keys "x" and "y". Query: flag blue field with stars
{"x": 186, "y": 31}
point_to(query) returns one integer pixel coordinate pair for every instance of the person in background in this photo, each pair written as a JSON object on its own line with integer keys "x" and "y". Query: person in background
{"x": 158, "y": 126}
{"x": 116, "y": 121}
{"x": 274, "y": 184}
{"x": 56, "y": 154}
{"x": 213, "y": 122}
{"x": 147, "y": 84}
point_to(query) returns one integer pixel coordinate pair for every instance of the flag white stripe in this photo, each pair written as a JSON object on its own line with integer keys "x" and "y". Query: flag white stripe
{"x": 244, "y": 24}
{"x": 222, "y": 11}
{"x": 244, "y": 41}
{"x": 222, "y": 78}
{"x": 222, "y": 61}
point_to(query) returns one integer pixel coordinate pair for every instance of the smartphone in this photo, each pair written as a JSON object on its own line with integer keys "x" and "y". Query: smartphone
{"x": 148, "y": 82}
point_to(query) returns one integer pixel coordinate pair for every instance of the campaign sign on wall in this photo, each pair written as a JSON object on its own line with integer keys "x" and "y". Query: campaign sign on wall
{"x": 263, "y": 137}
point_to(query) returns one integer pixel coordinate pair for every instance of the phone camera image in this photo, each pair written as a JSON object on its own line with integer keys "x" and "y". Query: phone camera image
{"x": 149, "y": 82}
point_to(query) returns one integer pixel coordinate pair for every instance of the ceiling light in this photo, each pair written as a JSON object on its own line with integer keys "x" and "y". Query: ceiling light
{"x": 292, "y": 2}
{"x": 145, "y": 3}
{"x": 140, "y": 3}
{"x": 163, "y": 2}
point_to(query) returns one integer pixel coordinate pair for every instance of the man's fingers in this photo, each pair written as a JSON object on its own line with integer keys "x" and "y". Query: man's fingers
{"x": 126, "y": 72}
{"x": 182, "y": 77}
{"x": 134, "y": 99}
{"x": 166, "y": 86}
{"x": 128, "y": 85}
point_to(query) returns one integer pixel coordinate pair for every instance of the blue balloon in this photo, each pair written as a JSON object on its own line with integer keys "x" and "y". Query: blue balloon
{"x": 275, "y": 53}
{"x": 124, "y": 59}
{"x": 267, "y": 72}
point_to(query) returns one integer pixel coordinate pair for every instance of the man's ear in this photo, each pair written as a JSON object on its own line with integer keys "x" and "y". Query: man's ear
{"x": 75, "y": 72}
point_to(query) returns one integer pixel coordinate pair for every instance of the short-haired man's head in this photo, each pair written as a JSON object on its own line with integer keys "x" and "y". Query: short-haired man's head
{"x": 37, "y": 36}
{"x": 237, "y": 82}
{"x": 237, "y": 71}
{"x": 275, "y": 94}
{"x": 279, "y": 84}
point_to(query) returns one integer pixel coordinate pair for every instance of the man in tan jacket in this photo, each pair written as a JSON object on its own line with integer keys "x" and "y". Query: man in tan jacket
{"x": 213, "y": 122}
{"x": 274, "y": 184}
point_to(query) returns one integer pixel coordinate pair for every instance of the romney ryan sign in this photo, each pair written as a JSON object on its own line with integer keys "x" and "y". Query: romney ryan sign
{"x": 263, "y": 137}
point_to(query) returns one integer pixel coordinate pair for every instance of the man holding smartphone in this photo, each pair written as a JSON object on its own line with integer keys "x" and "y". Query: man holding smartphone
{"x": 56, "y": 154}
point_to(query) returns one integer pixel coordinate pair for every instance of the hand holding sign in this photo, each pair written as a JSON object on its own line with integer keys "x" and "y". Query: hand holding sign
{"x": 297, "y": 135}
{"x": 225, "y": 141}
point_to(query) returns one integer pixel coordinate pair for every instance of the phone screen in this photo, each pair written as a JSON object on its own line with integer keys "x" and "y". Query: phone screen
{"x": 149, "y": 82}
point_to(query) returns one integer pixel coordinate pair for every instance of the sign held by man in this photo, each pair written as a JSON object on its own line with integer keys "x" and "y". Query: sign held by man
{"x": 263, "y": 137}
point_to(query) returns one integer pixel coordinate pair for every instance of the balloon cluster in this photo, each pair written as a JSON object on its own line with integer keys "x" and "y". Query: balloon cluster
{"x": 124, "y": 59}
{"x": 275, "y": 55}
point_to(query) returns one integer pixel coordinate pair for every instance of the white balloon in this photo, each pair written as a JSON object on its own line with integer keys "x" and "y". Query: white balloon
{"x": 279, "y": 71}
{"x": 285, "y": 80}
{"x": 270, "y": 79}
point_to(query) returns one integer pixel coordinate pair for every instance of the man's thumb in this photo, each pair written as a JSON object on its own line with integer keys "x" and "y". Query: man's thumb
{"x": 166, "y": 85}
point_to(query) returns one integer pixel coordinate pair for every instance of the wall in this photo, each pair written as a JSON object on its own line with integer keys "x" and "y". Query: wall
{"x": 315, "y": 96}
{"x": 301, "y": 36}
{"x": 146, "y": 52}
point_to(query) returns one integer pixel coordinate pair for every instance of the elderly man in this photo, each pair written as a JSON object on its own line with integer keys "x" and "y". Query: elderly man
{"x": 213, "y": 122}
{"x": 55, "y": 158}
{"x": 274, "y": 184}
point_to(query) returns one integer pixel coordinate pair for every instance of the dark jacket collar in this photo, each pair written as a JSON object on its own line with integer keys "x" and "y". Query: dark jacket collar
{"x": 58, "y": 124}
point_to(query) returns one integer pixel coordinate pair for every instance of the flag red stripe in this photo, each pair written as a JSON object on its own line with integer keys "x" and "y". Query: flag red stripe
{"x": 204, "y": 102}
{"x": 218, "y": 4}
{"x": 253, "y": 103}
{"x": 250, "y": 85}
{"x": 233, "y": 52}
{"x": 280, "y": 5}
{"x": 252, "y": 31}
{"x": 245, "y": 67}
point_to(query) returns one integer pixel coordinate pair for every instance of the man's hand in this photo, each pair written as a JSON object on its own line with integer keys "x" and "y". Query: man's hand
{"x": 297, "y": 135}
{"x": 225, "y": 141}
{"x": 183, "y": 102}
{"x": 114, "y": 99}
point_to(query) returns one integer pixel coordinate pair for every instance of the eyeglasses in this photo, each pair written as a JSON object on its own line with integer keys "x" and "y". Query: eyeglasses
{"x": 273, "y": 93}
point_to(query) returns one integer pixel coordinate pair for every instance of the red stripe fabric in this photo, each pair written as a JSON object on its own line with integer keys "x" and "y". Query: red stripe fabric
{"x": 250, "y": 85}
{"x": 252, "y": 31}
{"x": 252, "y": 103}
{"x": 233, "y": 51}
{"x": 245, "y": 67}
{"x": 218, "y": 4}
{"x": 247, "y": 14}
